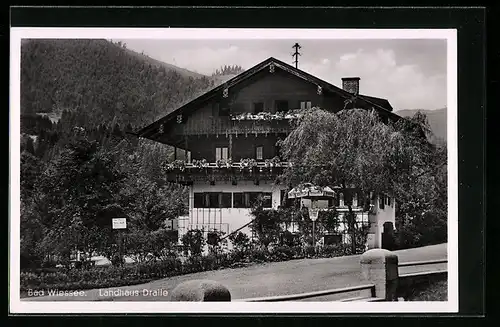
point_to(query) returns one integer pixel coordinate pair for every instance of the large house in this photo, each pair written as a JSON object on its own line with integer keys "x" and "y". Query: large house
{"x": 226, "y": 149}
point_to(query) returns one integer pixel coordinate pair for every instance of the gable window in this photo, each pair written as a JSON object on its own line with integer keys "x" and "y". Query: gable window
{"x": 259, "y": 153}
{"x": 221, "y": 153}
{"x": 381, "y": 202}
{"x": 215, "y": 109}
{"x": 305, "y": 105}
{"x": 281, "y": 105}
{"x": 258, "y": 107}
{"x": 224, "y": 107}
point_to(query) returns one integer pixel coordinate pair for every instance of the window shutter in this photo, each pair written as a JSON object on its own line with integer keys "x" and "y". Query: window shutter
{"x": 199, "y": 200}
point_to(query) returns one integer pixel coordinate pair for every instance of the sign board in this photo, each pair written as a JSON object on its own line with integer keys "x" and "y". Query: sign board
{"x": 119, "y": 223}
{"x": 313, "y": 213}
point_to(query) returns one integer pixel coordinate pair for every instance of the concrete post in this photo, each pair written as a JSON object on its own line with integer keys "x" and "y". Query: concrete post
{"x": 199, "y": 290}
{"x": 380, "y": 267}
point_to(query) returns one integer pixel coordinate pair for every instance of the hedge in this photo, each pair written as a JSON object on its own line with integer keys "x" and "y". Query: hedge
{"x": 114, "y": 276}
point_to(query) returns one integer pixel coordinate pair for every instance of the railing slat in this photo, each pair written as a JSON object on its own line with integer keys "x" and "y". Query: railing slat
{"x": 309, "y": 294}
{"x": 421, "y": 263}
{"x": 424, "y": 273}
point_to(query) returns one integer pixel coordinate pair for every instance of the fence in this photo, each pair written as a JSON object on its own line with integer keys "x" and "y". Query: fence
{"x": 379, "y": 272}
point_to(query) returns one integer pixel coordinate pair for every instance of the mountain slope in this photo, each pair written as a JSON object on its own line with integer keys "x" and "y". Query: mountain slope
{"x": 182, "y": 71}
{"x": 101, "y": 82}
{"x": 437, "y": 120}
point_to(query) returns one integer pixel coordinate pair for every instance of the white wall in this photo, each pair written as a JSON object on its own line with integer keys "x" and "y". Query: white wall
{"x": 225, "y": 219}
{"x": 230, "y": 219}
{"x": 377, "y": 220}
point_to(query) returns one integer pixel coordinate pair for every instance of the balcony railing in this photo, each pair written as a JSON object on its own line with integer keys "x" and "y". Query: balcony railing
{"x": 228, "y": 125}
{"x": 183, "y": 172}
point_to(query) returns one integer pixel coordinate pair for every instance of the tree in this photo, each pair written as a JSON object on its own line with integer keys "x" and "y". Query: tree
{"x": 76, "y": 216}
{"x": 355, "y": 148}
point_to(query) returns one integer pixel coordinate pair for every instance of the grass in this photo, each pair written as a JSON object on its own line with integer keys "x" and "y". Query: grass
{"x": 437, "y": 291}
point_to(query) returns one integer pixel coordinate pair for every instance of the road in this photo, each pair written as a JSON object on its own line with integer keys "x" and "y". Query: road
{"x": 269, "y": 279}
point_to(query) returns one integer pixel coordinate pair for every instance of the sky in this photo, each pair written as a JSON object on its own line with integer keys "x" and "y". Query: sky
{"x": 410, "y": 73}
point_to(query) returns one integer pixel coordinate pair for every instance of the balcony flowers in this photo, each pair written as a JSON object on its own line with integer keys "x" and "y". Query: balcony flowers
{"x": 275, "y": 162}
{"x": 221, "y": 163}
{"x": 247, "y": 163}
{"x": 177, "y": 164}
{"x": 200, "y": 163}
{"x": 266, "y": 116}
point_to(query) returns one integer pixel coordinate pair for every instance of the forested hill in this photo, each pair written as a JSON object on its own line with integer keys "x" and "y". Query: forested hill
{"x": 98, "y": 82}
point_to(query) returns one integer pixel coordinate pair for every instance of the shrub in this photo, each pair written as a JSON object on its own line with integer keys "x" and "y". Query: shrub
{"x": 192, "y": 264}
{"x": 282, "y": 253}
{"x": 258, "y": 254}
{"x": 240, "y": 241}
{"x": 309, "y": 251}
{"x": 337, "y": 250}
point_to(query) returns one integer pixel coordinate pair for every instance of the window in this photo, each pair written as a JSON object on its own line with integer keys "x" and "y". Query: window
{"x": 225, "y": 201}
{"x": 381, "y": 201}
{"x": 305, "y": 105}
{"x": 248, "y": 199}
{"x": 221, "y": 153}
{"x": 341, "y": 199}
{"x": 283, "y": 196}
{"x": 258, "y": 107}
{"x": 388, "y": 200}
{"x": 224, "y": 109}
{"x": 355, "y": 200}
{"x": 251, "y": 198}
{"x": 267, "y": 200}
{"x": 281, "y": 105}
{"x": 238, "y": 200}
{"x": 215, "y": 109}
{"x": 360, "y": 199}
{"x": 259, "y": 153}
{"x": 212, "y": 200}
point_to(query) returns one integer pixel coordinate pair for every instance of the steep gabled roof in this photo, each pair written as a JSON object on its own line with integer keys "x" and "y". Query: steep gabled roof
{"x": 381, "y": 105}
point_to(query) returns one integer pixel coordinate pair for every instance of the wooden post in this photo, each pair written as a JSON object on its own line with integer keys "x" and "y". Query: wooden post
{"x": 185, "y": 149}
{"x": 230, "y": 150}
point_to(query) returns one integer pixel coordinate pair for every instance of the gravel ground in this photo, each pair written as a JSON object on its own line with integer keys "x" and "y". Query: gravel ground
{"x": 269, "y": 279}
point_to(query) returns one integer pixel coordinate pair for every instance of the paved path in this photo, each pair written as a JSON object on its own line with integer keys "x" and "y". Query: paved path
{"x": 269, "y": 279}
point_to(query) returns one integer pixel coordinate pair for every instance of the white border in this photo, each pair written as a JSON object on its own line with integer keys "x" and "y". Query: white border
{"x": 16, "y": 306}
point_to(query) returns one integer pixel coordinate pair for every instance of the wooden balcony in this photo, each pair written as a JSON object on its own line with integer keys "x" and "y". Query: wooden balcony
{"x": 187, "y": 173}
{"x": 226, "y": 126}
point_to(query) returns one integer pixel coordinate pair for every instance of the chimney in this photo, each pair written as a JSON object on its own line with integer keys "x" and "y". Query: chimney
{"x": 351, "y": 84}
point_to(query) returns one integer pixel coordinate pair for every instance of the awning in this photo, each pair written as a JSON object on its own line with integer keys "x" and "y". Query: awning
{"x": 310, "y": 191}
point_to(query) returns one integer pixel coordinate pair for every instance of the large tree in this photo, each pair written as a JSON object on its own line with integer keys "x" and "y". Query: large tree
{"x": 355, "y": 148}
{"x": 73, "y": 200}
